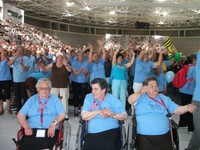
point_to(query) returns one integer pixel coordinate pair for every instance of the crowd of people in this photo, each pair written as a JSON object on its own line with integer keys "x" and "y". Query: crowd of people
{"x": 29, "y": 56}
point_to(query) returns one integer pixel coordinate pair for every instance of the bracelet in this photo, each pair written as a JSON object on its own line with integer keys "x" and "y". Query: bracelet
{"x": 114, "y": 116}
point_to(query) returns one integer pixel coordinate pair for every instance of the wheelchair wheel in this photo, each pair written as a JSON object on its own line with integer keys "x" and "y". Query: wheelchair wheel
{"x": 123, "y": 137}
{"x": 175, "y": 135}
{"x": 66, "y": 135}
{"x": 79, "y": 142}
{"x": 130, "y": 139}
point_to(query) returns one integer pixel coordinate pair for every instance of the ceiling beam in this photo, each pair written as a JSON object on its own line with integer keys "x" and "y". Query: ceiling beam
{"x": 145, "y": 4}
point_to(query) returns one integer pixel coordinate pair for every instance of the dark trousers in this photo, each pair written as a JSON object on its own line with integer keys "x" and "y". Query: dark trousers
{"x": 107, "y": 140}
{"x": 6, "y": 87}
{"x": 79, "y": 91}
{"x": 34, "y": 143}
{"x": 20, "y": 92}
{"x": 186, "y": 120}
{"x": 154, "y": 142}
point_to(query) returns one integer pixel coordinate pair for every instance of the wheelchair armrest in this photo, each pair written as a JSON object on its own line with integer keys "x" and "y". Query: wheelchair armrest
{"x": 81, "y": 120}
{"x": 121, "y": 122}
{"x": 174, "y": 124}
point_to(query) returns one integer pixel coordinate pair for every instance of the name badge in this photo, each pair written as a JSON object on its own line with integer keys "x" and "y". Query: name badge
{"x": 40, "y": 133}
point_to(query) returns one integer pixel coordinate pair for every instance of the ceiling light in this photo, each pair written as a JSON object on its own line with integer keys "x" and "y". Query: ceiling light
{"x": 87, "y": 8}
{"x": 112, "y": 12}
{"x": 160, "y": 0}
{"x": 161, "y": 22}
{"x": 69, "y": 4}
{"x": 164, "y": 13}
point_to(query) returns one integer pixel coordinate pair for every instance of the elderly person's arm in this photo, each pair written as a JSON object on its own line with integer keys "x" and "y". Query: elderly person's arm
{"x": 91, "y": 52}
{"x": 132, "y": 60}
{"x": 11, "y": 61}
{"x": 26, "y": 68}
{"x": 89, "y": 115}
{"x": 134, "y": 97}
{"x": 23, "y": 122}
{"x": 183, "y": 109}
{"x": 46, "y": 68}
{"x": 121, "y": 116}
{"x": 52, "y": 127}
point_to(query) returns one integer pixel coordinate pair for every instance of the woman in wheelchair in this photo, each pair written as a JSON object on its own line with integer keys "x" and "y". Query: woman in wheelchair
{"x": 102, "y": 112}
{"x": 152, "y": 110}
{"x": 39, "y": 117}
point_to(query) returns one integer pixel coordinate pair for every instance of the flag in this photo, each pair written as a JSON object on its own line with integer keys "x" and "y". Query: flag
{"x": 170, "y": 46}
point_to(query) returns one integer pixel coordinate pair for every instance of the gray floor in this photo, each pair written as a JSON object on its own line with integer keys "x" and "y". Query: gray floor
{"x": 9, "y": 128}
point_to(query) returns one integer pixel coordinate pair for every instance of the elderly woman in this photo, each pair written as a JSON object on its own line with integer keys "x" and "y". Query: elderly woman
{"x": 102, "y": 112}
{"x": 44, "y": 112}
{"x": 151, "y": 108}
{"x": 60, "y": 71}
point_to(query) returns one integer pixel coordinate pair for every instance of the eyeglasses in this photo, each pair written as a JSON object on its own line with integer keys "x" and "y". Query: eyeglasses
{"x": 44, "y": 88}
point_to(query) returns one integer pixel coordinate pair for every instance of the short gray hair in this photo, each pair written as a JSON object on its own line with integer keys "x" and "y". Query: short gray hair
{"x": 42, "y": 80}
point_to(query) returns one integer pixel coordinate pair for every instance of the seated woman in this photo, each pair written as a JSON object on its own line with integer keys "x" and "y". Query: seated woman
{"x": 44, "y": 111}
{"x": 152, "y": 109}
{"x": 102, "y": 112}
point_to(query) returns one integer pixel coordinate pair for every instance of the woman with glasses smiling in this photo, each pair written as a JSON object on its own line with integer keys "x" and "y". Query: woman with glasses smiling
{"x": 44, "y": 111}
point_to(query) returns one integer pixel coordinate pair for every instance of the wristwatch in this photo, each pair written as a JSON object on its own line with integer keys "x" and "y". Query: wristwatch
{"x": 55, "y": 122}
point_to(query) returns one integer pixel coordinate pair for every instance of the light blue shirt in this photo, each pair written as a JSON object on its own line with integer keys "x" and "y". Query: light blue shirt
{"x": 142, "y": 70}
{"x": 52, "y": 109}
{"x": 196, "y": 94}
{"x": 97, "y": 70}
{"x": 151, "y": 116}
{"x": 188, "y": 88}
{"x": 162, "y": 81}
{"x": 99, "y": 124}
{"x": 37, "y": 75}
{"x": 19, "y": 74}
{"x": 119, "y": 73}
{"x": 4, "y": 71}
{"x": 80, "y": 78}
{"x": 71, "y": 59}
{"x": 32, "y": 65}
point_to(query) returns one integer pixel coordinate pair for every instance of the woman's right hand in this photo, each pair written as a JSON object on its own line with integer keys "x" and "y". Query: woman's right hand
{"x": 144, "y": 90}
{"x": 28, "y": 131}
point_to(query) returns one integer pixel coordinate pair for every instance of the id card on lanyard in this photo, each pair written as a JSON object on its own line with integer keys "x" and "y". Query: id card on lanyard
{"x": 42, "y": 106}
{"x": 95, "y": 104}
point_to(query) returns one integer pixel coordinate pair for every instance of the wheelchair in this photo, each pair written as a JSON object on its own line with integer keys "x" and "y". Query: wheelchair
{"x": 82, "y": 131}
{"x": 132, "y": 133}
{"x": 63, "y": 137}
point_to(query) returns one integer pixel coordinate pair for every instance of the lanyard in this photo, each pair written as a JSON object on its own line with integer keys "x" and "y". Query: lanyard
{"x": 162, "y": 103}
{"x": 95, "y": 104}
{"x": 42, "y": 106}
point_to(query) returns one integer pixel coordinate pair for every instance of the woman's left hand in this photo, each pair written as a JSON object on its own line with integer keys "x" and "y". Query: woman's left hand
{"x": 51, "y": 130}
{"x": 191, "y": 108}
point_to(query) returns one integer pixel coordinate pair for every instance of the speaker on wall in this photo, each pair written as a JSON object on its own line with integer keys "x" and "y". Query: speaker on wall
{"x": 142, "y": 25}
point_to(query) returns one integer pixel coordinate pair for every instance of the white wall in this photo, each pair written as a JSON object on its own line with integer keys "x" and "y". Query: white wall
{"x": 1, "y": 10}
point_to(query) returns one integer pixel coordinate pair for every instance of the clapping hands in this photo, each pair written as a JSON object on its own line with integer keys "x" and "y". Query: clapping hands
{"x": 106, "y": 112}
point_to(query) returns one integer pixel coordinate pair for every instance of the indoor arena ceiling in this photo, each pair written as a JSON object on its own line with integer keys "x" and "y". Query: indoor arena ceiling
{"x": 115, "y": 13}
